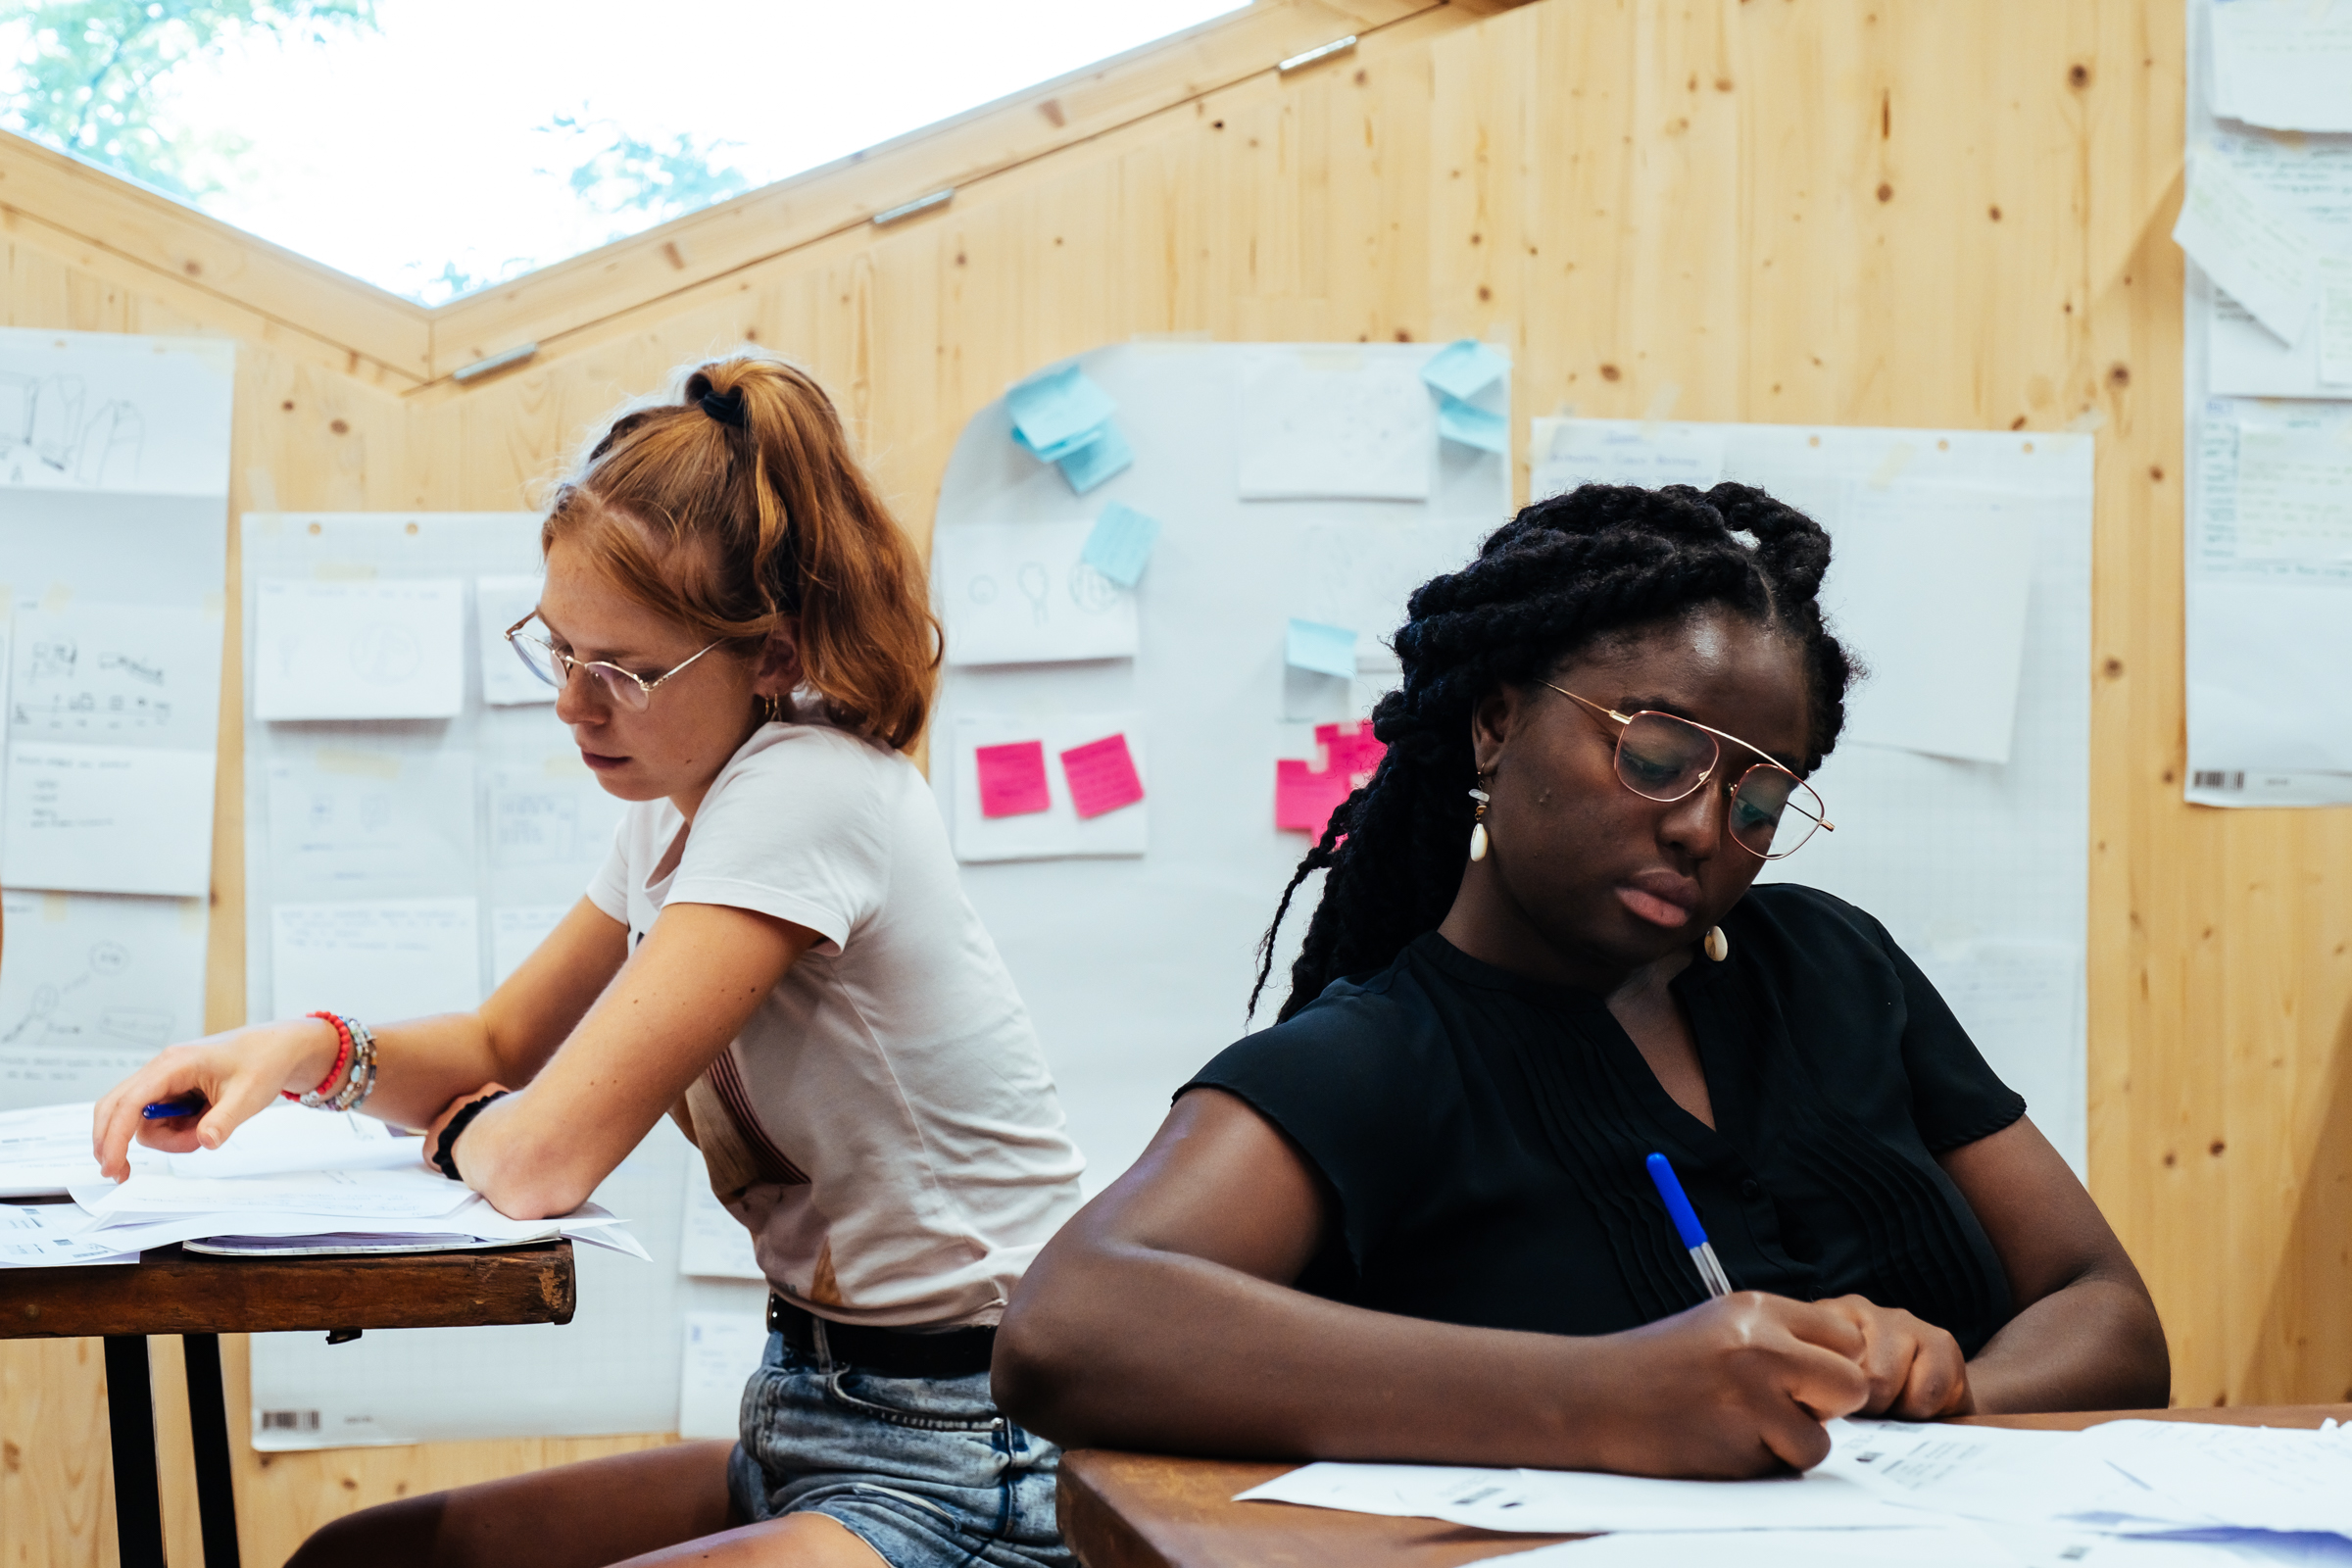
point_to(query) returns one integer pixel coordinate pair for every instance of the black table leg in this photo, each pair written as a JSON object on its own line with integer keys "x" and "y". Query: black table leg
{"x": 207, "y": 1427}
{"x": 130, "y": 1418}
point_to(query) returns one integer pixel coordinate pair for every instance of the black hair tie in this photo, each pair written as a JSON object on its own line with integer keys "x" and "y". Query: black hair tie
{"x": 726, "y": 407}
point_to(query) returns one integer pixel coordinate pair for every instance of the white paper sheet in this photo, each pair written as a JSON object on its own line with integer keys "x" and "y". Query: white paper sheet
{"x": 1613, "y": 451}
{"x": 390, "y": 649}
{"x": 2022, "y": 1003}
{"x": 2260, "y": 250}
{"x": 722, "y": 1349}
{"x": 499, "y": 602}
{"x": 2284, "y": 64}
{"x": 45, "y": 1149}
{"x": 43, "y": 1236}
{"x": 554, "y": 816}
{"x": 712, "y": 1243}
{"x": 1949, "y": 1546}
{"x": 91, "y": 673}
{"x": 2294, "y": 493}
{"x": 107, "y": 819}
{"x": 2312, "y": 179}
{"x": 1336, "y": 423}
{"x": 110, "y": 412}
{"x": 92, "y": 986}
{"x": 515, "y": 932}
{"x": 1943, "y": 667}
{"x": 389, "y": 959}
{"x": 357, "y": 821}
{"x": 1056, "y": 833}
{"x": 1020, "y": 594}
{"x": 414, "y": 1193}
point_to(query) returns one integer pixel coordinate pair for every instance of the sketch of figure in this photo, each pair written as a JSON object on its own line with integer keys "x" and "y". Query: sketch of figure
{"x": 983, "y": 590}
{"x": 385, "y": 652}
{"x": 41, "y": 418}
{"x": 1091, "y": 591}
{"x": 1037, "y": 585}
{"x": 110, "y": 446}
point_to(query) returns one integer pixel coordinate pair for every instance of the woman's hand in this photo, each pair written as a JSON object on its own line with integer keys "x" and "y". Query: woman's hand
{"x": 1916, "y": 1370}
{"x": 238, "y": 1072}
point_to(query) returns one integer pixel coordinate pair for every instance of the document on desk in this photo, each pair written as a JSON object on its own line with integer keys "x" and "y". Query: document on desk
{"x": 46, "y": 1149}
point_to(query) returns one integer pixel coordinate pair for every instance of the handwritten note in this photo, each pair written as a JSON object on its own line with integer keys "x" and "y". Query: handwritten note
{"x": 1649, "y": 455}
{"x": 389, "y": 959}
{"x": 499, "y": 603}
{"x": 117, "y": 674}
{"x": 1465, "y": 367}
{"x": 2264, "y": 254}
{"x": 1325, "y": 650}
{"x": 2294, "y": 493}
{"x": 1333, "y": 423}
{"x": 1023, "y": 593}
{"x": 360, "y": 650}
{"x": 722, "y": 1349}
{"x": 1102, "y": 776}
{"x": 107, "y": 819}
{"x": 1120, "y": 545}
{"x": 1012, "y": 778}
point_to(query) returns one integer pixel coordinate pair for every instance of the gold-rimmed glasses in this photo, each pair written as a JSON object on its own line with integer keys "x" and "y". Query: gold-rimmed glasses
{"x": 1664, "y": 756}
{"x": 552, "y": 664}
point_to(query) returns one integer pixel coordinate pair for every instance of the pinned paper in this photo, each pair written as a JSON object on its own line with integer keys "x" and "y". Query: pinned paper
{"x": 1120, "y": 546}
{"x": 2282, "y": 63}
{"x": 1463, "y": 368}
{"x": 1022, "y": 593}
{"x": 1350, "y": 749}
{"x": 1013, "y": 779}
{"x": 2335, "y": 320}
{"x": 1332, "y": 422}
{"x": 1101, "y": 460}
{"x": 1055, "y": 414}
{"x": 360, "y": 650}
{"x": 1102, "y": 776}
{"x": 1305, "y": 796}
{"x": 499, "y": 603}
{"x": 1473, "y": 427}
{"x": 2264, "y": 255}
{"x": 1326, "y": 650}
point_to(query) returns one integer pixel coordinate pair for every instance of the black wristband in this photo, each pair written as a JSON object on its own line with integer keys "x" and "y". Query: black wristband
{"x": 445, "y": 1152}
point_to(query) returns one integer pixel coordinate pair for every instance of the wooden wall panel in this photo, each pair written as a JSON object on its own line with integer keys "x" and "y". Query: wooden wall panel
{"x": 1836, "y": 211}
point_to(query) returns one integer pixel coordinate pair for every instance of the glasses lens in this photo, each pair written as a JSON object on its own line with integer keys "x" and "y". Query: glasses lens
{"x": 1773, "y": 812}
{"x": 535, "y": 656}
{"x": 1663, "y": 759}
{"x": 620, "y": 689}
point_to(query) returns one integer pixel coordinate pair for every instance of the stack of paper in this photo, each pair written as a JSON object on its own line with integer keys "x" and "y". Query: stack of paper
{"x": 289, "y": 1182}
{"x": 2152, "y": 1493}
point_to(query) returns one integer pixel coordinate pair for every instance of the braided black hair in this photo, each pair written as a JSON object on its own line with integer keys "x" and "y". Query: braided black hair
{"x": 1560, "y": 575}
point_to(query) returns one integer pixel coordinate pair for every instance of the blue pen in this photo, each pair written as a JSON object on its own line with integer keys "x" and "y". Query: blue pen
{"x": 187, "y": 1105}
{"x": 1687, "y": 1225}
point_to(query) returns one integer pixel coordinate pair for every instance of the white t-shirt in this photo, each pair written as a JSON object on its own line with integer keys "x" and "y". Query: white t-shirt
{"x": 885, "y": 1123}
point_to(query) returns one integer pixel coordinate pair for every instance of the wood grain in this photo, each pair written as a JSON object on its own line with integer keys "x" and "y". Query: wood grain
{"x": 1659, "y": 208}
{"x": 170, "y": 1291}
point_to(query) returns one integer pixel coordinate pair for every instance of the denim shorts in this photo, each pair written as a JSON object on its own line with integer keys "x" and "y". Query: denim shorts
{"x": 923, "y": 1470}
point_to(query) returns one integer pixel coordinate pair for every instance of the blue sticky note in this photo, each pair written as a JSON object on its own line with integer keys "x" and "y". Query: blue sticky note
{"x": 1058, "y": 412}
{"x": 1106, "y": 454}
{"x": 1326, "y": 650}
{"x": 1121, "y": 542}
{"x": 1463, "y": 368}
{"x": 1472, "y": 425}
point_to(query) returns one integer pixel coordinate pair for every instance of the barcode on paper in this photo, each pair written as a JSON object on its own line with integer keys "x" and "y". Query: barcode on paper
{"x": 289, "y": 1420}
{"x": 2216, "y": 779}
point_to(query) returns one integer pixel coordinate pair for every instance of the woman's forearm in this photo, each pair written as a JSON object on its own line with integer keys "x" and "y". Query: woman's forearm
{"x": 2095, "y": 1345}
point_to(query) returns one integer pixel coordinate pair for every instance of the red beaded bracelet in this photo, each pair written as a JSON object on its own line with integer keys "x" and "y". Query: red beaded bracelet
{"x": 342, "y": 1056}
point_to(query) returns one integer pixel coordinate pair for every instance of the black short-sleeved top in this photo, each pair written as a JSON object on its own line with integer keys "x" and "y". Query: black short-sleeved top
{"x": 1483, "y": 1135}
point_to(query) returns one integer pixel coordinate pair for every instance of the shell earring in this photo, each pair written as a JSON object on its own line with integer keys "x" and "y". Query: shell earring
{"x": 1478, "y": 823}
{"x": 1718, "y": 946}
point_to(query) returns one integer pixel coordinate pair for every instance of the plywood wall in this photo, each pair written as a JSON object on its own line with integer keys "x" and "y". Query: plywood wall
{"x": 1843, "y": 210}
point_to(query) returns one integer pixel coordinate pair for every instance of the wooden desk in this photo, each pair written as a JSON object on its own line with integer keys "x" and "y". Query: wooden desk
{"x": 200, "y": 1298}
{"x": 1135, "y": 1511}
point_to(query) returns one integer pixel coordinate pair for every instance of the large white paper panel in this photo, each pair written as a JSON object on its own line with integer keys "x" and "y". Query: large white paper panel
{"x": 117, "y": 674}
{"x": 90, "y": 987}
{"x": 1020, "y": 594}
{"x": 1059, "y": 831}
{"x": 1333, "y": 422}
{"x": 397, "y": 959}
{"x": 108, "y": 411}
{"x": 347, "y": 822}
{"x": 360, "y": 650}
{"x": 107, "y": 819}
{"x": 499, "y": 603}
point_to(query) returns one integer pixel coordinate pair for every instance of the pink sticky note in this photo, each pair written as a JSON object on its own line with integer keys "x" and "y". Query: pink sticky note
{"x": 1013, "y": 779}
{"x": 1351, "y": 747}
{"x": 1305, "y": 796}
{"x": 1102, "y": 776}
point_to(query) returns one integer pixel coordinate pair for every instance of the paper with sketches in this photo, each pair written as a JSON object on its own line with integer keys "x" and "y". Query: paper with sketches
{"x": 385, "y": 960}
{"x": 1022, "y": 594}
{"x": 1333, "y": 423}
{"x": 1102, "y": 776}
{"x": 499, "y": 603}
{"x": 1012, "y": 778}
{"x": 2284, "y": 64}
{"x": 1617, "y": 451}
{"x": 91, "y": 987}
{"x": 107, "y": 410}
{"x": 515, "y": 932}
{"x": 722, "y": 1351}
{"x": 360, "y": 650}
{"x": 108, "y": 819}
{"x": 351, "y": 821}
{"x": 1944, "y": 666}
{"x": 103, "y": 674}
{"x": 1119, "y": 546}
{"x": 1465, "y": 367}
{"x": 2264, "y": 253}
{"x": 554, "y": 814}
{"x": 1057, "y": 831}
{"x": 712, "y": 1243}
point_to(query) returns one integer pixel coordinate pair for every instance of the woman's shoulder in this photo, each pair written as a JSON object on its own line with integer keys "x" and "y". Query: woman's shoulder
{"x": 1358, "y": 1024}
{"x": 1809, "y": 919}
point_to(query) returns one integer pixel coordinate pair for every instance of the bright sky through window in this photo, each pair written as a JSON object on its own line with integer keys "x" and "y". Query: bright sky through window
{"x": 436, "y": 146}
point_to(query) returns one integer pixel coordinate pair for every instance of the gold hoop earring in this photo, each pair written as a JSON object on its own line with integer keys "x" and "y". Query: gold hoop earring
{"x": 1478, "y": 823}
{"x": 1718, "y": 946}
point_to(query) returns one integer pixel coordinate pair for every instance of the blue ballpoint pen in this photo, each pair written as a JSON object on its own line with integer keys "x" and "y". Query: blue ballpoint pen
{"x": 191, "y": 1103}
{"x": 1687, "y": 1225}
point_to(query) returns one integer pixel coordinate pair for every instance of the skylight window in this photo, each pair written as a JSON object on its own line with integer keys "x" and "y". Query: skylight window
{"x": 433, "y": 147}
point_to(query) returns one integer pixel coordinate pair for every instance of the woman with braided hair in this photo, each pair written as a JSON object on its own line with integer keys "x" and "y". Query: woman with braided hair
{"x": 1412, "y": 1220}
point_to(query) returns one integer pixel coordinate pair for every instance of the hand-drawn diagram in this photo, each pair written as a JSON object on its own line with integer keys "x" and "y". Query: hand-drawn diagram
{"x": 138, "y": 674}
{"x": 44, "y": 422}
{"x": 1057, "y": 607}
{"x": 112, "y": 979}
{"x": 394, "y": 649}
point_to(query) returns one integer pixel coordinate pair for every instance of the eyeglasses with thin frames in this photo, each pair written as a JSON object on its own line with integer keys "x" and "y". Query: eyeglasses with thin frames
{"x": 625, "y": 687}
{"x": 1665, "y": 757}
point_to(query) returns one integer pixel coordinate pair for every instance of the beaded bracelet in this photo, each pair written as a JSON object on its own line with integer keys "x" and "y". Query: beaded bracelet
{"x": 315, "y": 1097}
{"x": 362, "y": 1082}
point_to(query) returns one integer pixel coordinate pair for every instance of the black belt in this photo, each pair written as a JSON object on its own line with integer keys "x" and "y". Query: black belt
{"x": 891, "y": 1352}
